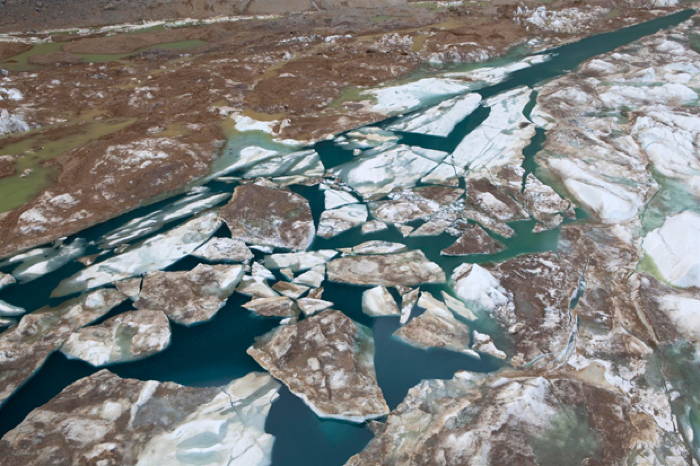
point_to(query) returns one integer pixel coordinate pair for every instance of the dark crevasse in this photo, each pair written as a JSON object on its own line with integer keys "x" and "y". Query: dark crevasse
{"x": 213, "y": 353}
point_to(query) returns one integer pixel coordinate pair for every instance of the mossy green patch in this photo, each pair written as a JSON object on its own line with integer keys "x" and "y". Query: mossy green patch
{"x": 32, "y": 173}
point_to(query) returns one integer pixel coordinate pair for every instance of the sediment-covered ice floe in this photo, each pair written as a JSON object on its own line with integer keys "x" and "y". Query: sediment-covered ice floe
{"x": 269, "y": 216}
{"x": 148, "y": 422}
{"x": 328, "y": 361}
{"x": 190, "y": 297}
{"x": 436, "y": 328}
{"x": 25, "y": 347}
{"x": 155, "y": 253}
{"x": 405, "y": 268}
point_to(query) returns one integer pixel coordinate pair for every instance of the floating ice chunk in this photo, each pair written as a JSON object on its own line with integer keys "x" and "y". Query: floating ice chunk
{"x": 406, "y": 268}
{"x": 388, "y": 167}
{"x": 436, "y": 327}
{"x": 336, "y": 221}
{"x": 313, "y": 277}
{"x": 675, "y": 249}
{"x": 373, "y": 226}
{"x": 6, "y": 280}
{"x": 375, "y": 247}
{"x": 405, "y": 97}
{"x": 328, "y": 361}
{"x": 10, "y": 310}
{"x": 291, "y": 290}
{"x": 192, "y": 296}
{"x": 474, "y": 284}
{"x": 501, "y": 138}
{"x": 378, "y": 301}
{"x": 458, "y": 307}
{"x": 224, "y": 250}
{"x": 297, "y": 261}
{"x": 155, "y": 253}
{"x": 269, "y": 216}
{"x": 311, "y": 306}
{"x": 48, "y": 260}
{"x": 302, "y": 163}
{"x": 142, "y": 226}
{"x": 334, "y": 198}
{"x": 126, "y": 337}
{"x": 277, "y": 306}
{"x": 441, "y": 119}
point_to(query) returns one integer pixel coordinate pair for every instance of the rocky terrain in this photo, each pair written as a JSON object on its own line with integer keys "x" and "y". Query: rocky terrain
{"x": 344, "y": 253}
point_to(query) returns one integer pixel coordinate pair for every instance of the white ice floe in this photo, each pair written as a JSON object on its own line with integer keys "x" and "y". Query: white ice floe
{"x": 335, "y": 198}
{"x": 10, "y": 310}
{"x": 501, "y": 138}
{"x": 388, "y": 167}
{"x": 378, "y": 301}
{"x": 336, "y": 221}
{"x": 675, "y": 249}
{"x": 227, "y": 430}
{"x": 6, "y": 280}
{"x": 47, "y": 260}
{"x": 478, "y": 287}
{"x": 146, "y": 224}
{"x": 313, "y": 278}
{"x": 153, "y": 254}
{"x": 298, "y": 261}
{"x": 612, "y": 202}
{"x": 404, "y": 97}
{"x": 301, "y": 163}
{"x": 441, "y": 119}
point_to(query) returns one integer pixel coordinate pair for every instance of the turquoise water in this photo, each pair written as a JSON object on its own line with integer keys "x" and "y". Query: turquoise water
{"x": 213, "y": 353}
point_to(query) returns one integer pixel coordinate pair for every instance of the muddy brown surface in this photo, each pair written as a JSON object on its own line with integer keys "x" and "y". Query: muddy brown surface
{"x": 300, "y": 68}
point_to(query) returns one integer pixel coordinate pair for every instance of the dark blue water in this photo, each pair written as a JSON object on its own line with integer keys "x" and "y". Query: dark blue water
{"x": 213, "y": 353}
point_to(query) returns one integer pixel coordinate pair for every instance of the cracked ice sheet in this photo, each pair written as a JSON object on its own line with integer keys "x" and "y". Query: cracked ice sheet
{"x": 501, "y": 138}
{"x": 405, "y": 97}
{"x": 388, "y": 167}
{"x": 155, "y": 253}
{"x": 441, "y": 119}
{"x": 142, "y": 226}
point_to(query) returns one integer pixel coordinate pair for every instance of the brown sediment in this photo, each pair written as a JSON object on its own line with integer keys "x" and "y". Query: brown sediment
{"x": 298, "y": 68}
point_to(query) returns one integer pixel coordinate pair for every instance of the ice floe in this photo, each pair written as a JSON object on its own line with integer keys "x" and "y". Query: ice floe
{"x": 155, "y": 253}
